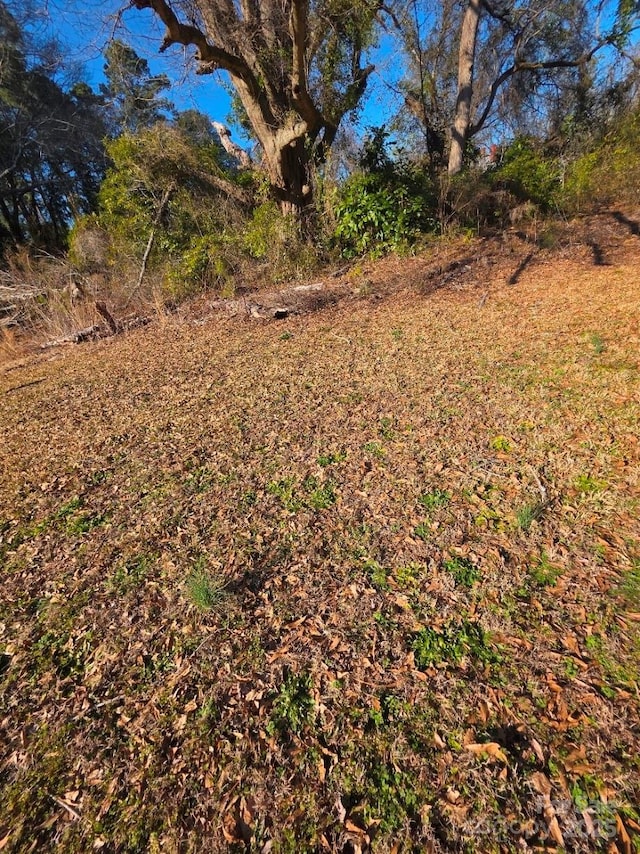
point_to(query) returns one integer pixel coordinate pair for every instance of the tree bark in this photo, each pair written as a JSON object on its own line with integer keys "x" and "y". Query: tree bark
{"x": 267, "y": 47}
{"x": 232, "y": 148}
{"x": 466, "y": 60}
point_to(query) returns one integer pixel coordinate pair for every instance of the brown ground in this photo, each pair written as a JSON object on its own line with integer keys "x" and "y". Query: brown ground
{"x": 364, "y": 578}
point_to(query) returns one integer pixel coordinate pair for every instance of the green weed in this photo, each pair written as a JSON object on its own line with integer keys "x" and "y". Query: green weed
{"x": 131, "y": 573}
{"x": 501, "y": 443}
{"x": 386, "y": 429}
{"x": 422, "y": 530}
{"x": 586, "y": 484}
{"x": 62, "y": 653}
{"x": 629, "y": 587}
{"x": 325, "y": 460}
{"x": 452, "y": 644}
{"x": 293, "y": 706}
{"x": 321, "y": 495}
{"x": 387, "y": 709}
{"x": 598, "y": 343}
{"x": 285, "y": 490}
{"x": 84, "y": 523}
{"x": 543, "y": 573}
{"x": 408, "y": 575}
{"x": 200, "y": 480}
{"x": 434, "y": 499}
{"x": 463, "y": 571}
{"x": 571, "y": 669}
{"x": 375, "y": 449}
{"x": 377, "y": 574}
{"x": 529, "y": 514}
{"x": 391, "y": 796}
{"x": 613, "y": 671}
{"x": 205, "y": 590}
{"x": 68, "y": 509}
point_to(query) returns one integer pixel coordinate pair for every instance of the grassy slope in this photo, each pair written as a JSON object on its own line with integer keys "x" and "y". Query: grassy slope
{"x": 424, "y": 513}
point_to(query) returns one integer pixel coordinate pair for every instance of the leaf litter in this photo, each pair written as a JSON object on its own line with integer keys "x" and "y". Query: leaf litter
{"x": 273, "y": 592}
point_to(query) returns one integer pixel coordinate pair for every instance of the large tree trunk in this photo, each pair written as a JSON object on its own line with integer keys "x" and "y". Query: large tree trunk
{"x": 293, "y": 181}
{"x": 466, "y": 60}
{"x": 268, "y": 48}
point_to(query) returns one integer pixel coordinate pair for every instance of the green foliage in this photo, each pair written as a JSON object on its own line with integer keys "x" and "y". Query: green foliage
{"x": 321, "y": 495}
{"x": 384, "y": 207}
{"x": 391, "y": 796}
{"x": 59, "y": 651}
{"x": 293, "y": 705}
{"x": 453, "y": 643}
{"x": 205, "y": 590}
{"x": 329, "y": 459}
{"x": 378, "y": 574}
{"x": 434, "y": 499}
{"x": 422, "y": 530}
{"x": 501, "y": 443}
{"x": 375, "y": 449}
{"x": 131, "y": 573}
{"x": 195, "y": 234}
{"x": 586, "y": 484}
{"x": 285, "y": 490}
{"x": 529, "y": 514}
{"x": 463, "y": 571}
{"x": 266, "y": 229}
{"x": 529, "y": 173}
{"x": 609, "y": 171}
{"x": 543, "y": 573}
{"x": 270, "y": 236}
{"x": 629, "y": 587}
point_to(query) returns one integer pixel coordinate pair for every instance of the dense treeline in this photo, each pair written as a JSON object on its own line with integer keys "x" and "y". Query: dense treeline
{"x": 514, "y": 105}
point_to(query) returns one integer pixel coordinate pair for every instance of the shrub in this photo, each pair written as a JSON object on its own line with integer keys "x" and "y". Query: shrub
{"x": 194, "y": 231}
{"x": 384, "y": 207}
{"x": 271, "y": 237}
{"x": 610, "y": 172}
{"x": 530, "y": 174}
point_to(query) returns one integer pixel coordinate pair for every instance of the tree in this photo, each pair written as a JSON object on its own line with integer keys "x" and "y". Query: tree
{"x": 508, "y": 63}
{"x": 526, "y": 44}
{"x": 51, "y": 153}
{"x": 428, "y": 30}
{"x": 132, "y": 90}
{"x": 296, "y": 66}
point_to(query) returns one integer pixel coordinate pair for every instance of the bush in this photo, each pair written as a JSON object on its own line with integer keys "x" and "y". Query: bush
{"x": 384, "y": 207}
{"x": 376, "y": 216}
{"x": 611, "y": 171}
{"x": 197, "y": 227}
{"x": 275, "y": 239}
{"x": 529, "y": 174}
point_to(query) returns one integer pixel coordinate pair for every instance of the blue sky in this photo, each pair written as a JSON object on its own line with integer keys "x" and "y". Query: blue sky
{"x": 86, "y": 28}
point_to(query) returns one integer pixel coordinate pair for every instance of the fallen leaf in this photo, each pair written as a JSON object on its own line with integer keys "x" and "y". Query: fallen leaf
{"x": 623, "y": 835}
{"x": 491, "y": 749}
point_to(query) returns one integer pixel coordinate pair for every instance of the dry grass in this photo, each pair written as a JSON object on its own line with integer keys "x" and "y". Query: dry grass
{"x": 423, "y": 511}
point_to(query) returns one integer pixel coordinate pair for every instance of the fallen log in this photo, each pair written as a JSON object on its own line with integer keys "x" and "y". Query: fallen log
{"x": 74, "y": 338}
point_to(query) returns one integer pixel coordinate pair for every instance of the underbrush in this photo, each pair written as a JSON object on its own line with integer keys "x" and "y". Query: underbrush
{"x": 174, "y": 221}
